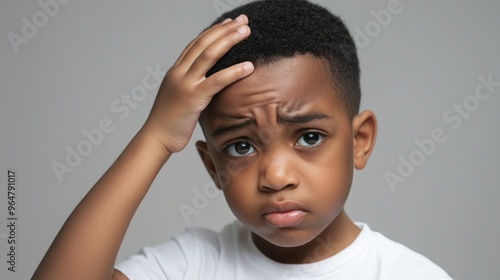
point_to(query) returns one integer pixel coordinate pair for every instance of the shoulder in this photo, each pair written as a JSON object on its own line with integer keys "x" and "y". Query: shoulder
{"x": 198, "y": 248}
{"x": 399, "y": 262}
{"x": 197, "y": 237}
{"x": 200, "y": 243}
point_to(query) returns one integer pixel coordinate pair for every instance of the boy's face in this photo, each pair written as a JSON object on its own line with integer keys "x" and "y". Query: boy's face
{"x": 282, "y": 148}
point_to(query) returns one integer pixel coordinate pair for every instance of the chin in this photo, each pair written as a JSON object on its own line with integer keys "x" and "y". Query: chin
{"x": 289, "y": 237}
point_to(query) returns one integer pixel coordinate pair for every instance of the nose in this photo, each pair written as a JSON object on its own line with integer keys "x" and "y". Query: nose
{"x": 278, "y": 171}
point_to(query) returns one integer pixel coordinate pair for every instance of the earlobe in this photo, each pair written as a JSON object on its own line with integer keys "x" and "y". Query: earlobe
{"x": 364, "y": 127}
{"x": 202, "y": 148}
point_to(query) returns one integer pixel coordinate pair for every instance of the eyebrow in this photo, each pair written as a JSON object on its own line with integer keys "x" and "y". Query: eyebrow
{"x": 291, "y": 119}
{"x": 302, "y": 118}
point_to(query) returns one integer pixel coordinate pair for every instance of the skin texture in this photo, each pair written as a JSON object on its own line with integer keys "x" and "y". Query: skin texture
{"x": 256, "y": 152}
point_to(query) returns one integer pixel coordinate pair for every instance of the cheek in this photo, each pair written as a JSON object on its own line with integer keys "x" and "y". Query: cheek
{"x": 241, "y": 194}
{"x": 333, "y": 172}
{"x": 230, "y": 172}
{"x": 237, "y": 180}
{"x": 329, "y": 188}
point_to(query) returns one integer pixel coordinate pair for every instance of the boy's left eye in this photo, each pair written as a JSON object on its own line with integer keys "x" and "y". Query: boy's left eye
{"x": 310, "y": 139}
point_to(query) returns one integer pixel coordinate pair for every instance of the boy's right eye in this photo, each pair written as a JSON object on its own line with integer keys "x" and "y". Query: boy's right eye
{"x": 239, "y": 149}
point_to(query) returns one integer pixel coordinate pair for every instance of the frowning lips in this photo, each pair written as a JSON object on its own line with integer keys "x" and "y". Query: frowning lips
{"x": 284, "y": 214}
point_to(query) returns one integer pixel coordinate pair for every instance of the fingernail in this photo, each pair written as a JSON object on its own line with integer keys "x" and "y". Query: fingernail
{"x": 242, "y": 29}
{"x": 239, "y": 18}
{"x": 248, "y": 66}
{"x": 226, "y": 20}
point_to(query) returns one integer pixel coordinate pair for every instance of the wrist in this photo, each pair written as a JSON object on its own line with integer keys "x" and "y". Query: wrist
{"x": 150, "y": 144}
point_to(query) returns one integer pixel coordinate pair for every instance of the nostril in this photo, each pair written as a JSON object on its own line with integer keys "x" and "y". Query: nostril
{"x": 275, "y": 188}
{"x": 278, "y": 170}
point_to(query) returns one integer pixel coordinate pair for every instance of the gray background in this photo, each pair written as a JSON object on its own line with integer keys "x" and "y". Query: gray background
{"x": 415, "y": 68}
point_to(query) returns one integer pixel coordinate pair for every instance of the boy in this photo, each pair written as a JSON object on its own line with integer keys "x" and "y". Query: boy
{"x": 279, "y": 111}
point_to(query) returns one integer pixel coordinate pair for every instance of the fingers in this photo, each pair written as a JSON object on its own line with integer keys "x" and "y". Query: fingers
{"x": 216, "y": 82}
{"x": 211, "y": 36}
{"x": 185, "y": 91}
{"x": 190, "y": 45}
{"x": 212, "y": 53}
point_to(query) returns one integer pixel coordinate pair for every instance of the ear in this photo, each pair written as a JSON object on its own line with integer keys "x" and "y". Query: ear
{"x": 364, "y": 127}
{"x": 202, "y": 148}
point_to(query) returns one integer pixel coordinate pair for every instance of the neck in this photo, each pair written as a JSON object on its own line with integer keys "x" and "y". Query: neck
{"x": 336, "y": 237}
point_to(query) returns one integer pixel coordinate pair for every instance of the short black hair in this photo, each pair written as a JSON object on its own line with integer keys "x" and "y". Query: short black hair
{"x": 284, "y": 28}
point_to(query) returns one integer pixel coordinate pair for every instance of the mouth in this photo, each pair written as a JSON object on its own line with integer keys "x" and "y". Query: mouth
{"x": 283, "y": 215}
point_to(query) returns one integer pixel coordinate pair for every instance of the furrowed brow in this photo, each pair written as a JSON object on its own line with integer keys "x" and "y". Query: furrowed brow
{"x": 305, "y": 118}
{"x": 290, "y": 119}
{"x": 226, "y": 129}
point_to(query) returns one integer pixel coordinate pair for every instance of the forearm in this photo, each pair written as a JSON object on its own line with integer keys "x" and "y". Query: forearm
{"x": 87, "y": 245}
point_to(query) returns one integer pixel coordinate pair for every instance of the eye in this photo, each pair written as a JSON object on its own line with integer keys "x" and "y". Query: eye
{"x": 239, "y": 149}
{"x": 310, "y": 139}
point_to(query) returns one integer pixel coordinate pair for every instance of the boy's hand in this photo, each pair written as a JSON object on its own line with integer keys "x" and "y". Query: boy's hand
{"x": 87, "y": 245}
{"x": 185, "y": 91}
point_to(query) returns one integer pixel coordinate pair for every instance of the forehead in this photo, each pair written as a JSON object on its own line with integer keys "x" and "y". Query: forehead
{"x": 288, "y": 85}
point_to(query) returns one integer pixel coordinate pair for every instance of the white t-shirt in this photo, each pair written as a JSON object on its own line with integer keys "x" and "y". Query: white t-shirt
{"x": 231, "y": 254}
